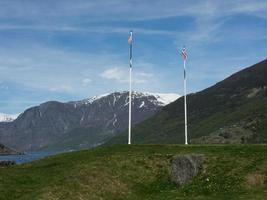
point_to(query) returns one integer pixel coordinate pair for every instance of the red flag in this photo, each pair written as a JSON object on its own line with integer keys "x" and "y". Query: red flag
{"x": 130, "y": 40}
{"x": 184, "y": 54}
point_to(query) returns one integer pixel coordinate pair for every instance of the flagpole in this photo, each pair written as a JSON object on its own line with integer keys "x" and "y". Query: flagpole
{"x": 130, "y": 87}
{"x": 185, "y": 106}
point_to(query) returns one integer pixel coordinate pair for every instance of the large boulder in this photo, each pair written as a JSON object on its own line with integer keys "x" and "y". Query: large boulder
{"x": 185, "y": 167}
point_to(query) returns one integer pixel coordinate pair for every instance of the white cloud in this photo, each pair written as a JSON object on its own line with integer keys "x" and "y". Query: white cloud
{"x": 64, "y": 15}
{"x": 114, "y": 74}
{"x": 122, "y": 76}
{"x": 62, "y": 88}
{"x": 50, "y": 68}
{"x": 90, "y": 29}
{"x": 128, "y": 10}
{"x": 145, "y": 75}
{"x": 86, "y": 81}
{"x": 209, "y": 16}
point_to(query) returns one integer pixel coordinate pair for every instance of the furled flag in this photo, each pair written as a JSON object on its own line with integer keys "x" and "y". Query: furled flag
{"x": 130, "y": 40}
{"x": 184, "y": 54}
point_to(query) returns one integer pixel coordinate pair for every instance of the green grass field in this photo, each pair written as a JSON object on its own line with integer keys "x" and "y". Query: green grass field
{"x": 139, "y": 172}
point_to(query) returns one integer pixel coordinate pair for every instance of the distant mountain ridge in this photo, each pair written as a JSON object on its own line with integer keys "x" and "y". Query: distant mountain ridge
{"x": 231, "y": 111}
{"x": 79, "y": 124}
{"x": 8, "y": 117}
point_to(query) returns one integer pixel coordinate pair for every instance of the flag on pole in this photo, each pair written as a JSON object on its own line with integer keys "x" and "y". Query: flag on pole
{"x": 130, "y": 39}
{"x": 184, "y": 57}
{"x": 183, "y": 53}
{"x": 130, "y": 42}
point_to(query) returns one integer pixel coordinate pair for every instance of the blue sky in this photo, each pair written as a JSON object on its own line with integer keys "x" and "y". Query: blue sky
{"x": 69, "y": 50}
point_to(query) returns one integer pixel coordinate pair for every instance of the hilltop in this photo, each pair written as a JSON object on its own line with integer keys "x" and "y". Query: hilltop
{"x": 139, "y": 172}
{"x": 232, "y": 111}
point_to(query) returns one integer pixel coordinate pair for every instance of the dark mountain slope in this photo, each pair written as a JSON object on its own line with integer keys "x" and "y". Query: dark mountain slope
{"x": 233, "y": 110}
{"x": 77, "y": 124}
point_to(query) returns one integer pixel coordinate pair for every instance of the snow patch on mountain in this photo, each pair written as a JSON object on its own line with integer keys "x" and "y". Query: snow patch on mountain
{"x": 164, "y": 98}
{"x": 8, "y": 117}
{"x": 114, "y": 119}
{"x": 94, "y": 98}
{"x": 142, "y": 104}
{"x": 160, "y": 99}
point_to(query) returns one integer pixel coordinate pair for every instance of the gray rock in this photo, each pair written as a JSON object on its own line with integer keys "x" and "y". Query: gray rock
{"x": 185, "y": 167}
{"x": 6, "y": 163}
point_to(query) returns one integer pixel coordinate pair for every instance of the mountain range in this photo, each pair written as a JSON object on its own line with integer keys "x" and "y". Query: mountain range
{"x": 79, "y": 124}
{"x": 231, "y": 111}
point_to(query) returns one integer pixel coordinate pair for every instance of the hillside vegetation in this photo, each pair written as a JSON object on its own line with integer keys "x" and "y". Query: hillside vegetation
{"x": 139, "y": 172}
{"x": 232, "y": 111}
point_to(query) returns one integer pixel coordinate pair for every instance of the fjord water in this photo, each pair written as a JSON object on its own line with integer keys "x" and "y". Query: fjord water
{"x": 28, "y": 157}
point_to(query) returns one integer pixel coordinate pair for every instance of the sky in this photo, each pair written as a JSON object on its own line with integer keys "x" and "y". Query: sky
{"x": 70, "y": 50}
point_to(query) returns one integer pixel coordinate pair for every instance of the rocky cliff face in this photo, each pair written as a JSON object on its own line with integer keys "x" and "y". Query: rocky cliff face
{"x": 79, "y": 124}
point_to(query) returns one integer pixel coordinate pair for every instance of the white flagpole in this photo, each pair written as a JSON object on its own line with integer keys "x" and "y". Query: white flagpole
{"x": 185, "y": 106}
{"x": 130, "y": 89}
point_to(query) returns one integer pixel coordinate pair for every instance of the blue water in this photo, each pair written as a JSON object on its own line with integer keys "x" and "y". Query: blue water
{"x": 27, "y": 157}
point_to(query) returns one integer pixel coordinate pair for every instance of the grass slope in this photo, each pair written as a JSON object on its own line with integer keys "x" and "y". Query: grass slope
{"x": 139, "y": 172}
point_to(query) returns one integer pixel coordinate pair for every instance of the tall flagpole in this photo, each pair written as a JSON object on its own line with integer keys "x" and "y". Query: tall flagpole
{"x": 130, "y": 41}
{"x": 184, "y": 56}
{"x": 185, "y": 106}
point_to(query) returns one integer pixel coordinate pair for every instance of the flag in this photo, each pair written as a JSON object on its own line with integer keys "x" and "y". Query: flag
{"x": 130, "y": 40}
{"x": 184, "y": 54}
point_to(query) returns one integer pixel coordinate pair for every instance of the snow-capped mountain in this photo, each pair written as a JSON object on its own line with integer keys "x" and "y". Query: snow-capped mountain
{"x": 164, "y": 98}
{"x": 80, "y": 124}
{"x": 161, "y": 99}
{"x": 7, "y": 117}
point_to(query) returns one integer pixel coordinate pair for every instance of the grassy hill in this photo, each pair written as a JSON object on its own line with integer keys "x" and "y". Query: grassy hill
{"x": 232, "y": 111}
{"x": 139, "y": 172}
